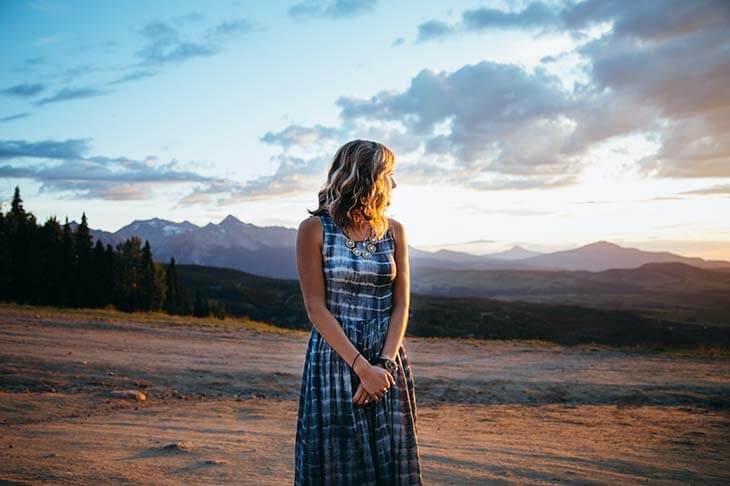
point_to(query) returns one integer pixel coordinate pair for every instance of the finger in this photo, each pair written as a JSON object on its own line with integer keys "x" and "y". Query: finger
{"x": 391, "y": 379}
{"x": 371, "y": 392}
{"x": 357, "y": 398}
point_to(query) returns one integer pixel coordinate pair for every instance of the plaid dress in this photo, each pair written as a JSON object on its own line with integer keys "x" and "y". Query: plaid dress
{"x": 338, "y": 442}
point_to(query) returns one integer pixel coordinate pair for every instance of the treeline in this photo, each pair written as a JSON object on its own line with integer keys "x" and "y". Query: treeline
{"x": 54, "y": 264}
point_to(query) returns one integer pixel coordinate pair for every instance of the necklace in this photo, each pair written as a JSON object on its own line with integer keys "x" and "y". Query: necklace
{"x": 366, "y": 252}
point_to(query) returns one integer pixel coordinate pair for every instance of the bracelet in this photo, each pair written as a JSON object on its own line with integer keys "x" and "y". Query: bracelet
{"x": 353, "y": 361}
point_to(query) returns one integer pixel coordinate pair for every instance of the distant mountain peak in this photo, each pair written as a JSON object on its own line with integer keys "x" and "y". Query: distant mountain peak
{"x": 231, "y": 220}
{"x": 601, "y": 244}
{"x": 517, "y": 252}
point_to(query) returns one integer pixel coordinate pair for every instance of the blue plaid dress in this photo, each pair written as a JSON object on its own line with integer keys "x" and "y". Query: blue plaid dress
{"x": 338, "y": 442}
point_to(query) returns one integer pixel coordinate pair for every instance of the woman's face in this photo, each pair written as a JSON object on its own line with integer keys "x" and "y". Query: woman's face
{"x": 390, "y": 179}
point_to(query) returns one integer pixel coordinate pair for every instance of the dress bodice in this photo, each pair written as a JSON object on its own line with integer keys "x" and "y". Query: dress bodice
{"x": 357, "y": 287}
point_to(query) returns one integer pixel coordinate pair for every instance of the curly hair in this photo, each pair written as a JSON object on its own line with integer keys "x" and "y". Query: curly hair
{"x": 356, "y": 191}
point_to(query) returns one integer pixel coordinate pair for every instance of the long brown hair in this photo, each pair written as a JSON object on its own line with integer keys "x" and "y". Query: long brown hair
{"x": 356, "y": 191}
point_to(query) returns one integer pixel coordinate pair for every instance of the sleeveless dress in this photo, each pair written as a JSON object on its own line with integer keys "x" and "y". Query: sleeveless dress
{"x": 338, "y": 442}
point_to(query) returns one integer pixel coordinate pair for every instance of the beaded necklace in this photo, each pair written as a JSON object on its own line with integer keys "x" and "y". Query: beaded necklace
{"x": 369, "y": 249}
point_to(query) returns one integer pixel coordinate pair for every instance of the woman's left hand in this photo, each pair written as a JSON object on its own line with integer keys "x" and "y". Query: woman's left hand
{"x": 361, "y": 395}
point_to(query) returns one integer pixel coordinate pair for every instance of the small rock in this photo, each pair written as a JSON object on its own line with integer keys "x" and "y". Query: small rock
{"x": 215, "y": 462}
{"x": 133, "y": 394}
{"x": 178, "y": 446}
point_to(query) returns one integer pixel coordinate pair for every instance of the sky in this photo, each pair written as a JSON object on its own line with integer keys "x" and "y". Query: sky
{"x": 545, "y": 124}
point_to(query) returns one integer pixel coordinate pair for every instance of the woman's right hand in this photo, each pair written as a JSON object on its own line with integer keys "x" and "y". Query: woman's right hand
{"x": 375, "y": 379}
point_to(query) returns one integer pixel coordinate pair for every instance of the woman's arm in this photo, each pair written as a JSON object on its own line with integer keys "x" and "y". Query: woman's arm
{"x": 311, "y": 280}
{"x": 401, "y": 293}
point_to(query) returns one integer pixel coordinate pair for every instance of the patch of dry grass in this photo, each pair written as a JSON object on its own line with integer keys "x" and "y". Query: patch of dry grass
{"x": 110, "y": 314}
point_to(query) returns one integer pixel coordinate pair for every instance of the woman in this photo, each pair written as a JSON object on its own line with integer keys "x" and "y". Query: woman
{"x": 357, "y": 408}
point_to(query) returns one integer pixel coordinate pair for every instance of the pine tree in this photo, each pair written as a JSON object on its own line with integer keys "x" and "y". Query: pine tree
{"x": 84, "y": 268}
{"x": 4, "y": 256}
{"x": 50, "y": 257}
{"x": 99, "y": 292}
{"x": 128, "y": 270}
{"x": 201, "y": 307}
{"x": 16, "y": 207}
{"x": 172, "y": 295}
{"x": 110, "y": 277}
{"x": 68, "y": 280}
{"x": 20, "y": 234}
{"x": 151, "y": 281}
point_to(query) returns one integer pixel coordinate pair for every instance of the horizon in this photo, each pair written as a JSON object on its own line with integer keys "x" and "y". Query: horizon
{"x": 526, "y": 247}
{"x": 514, "y": 123}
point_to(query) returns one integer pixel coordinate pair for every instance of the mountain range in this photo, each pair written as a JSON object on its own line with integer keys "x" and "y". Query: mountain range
{"x": 269, "y": 251}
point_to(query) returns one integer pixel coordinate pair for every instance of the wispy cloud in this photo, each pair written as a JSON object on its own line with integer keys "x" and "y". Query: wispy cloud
{"x": 24, "y": 90}
{"x": 434, "y": 30}
{"x": 67, "y": 94}
{"x": 716, "y": 190}
{"x": 166, "y": 44}
{"x": 10, "y": 118}
{"x": 331, "y": 8}
{"x": 92, "y": 177}
{"x": 134, "y": 76}
{"x": 534, "y": 15}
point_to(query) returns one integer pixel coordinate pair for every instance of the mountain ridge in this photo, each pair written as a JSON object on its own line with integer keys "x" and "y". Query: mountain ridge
{"x": 270, "y": 250}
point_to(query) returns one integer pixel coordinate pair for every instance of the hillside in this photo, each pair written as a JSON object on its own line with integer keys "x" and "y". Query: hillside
{"x": 280, "y": 302}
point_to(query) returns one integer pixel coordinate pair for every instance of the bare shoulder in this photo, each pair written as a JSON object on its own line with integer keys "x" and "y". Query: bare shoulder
{"x": 310, "y": 228}
{"x": 310, "y": 223}
{"x": 398, "y": 230}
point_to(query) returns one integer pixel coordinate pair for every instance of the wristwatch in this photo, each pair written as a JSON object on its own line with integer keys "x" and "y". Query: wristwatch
{"x": 387, "y": 363}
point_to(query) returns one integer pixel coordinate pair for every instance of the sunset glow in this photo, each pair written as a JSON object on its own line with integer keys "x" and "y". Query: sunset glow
{"x": 546, "y": 125}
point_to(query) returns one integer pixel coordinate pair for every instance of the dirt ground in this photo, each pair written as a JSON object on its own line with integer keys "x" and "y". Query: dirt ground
{"x": 96, "y": 400}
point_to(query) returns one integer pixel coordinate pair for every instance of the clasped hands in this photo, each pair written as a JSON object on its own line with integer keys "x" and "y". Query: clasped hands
{"x": 375, "y": 381}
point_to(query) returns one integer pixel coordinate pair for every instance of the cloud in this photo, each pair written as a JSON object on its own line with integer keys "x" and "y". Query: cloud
{"x": 46, "y": 149}
{"x": 432, "y": 30}
{"x": 187, "y": 18}
{"x": 716, "y": 190}
{"x": 134, "y": 76}
{"x": 534, "y": 15}
{"x": 29, "y": 65}
{"x": 666, "y": 78}
{"x": 24, "y": 90}
{"x": 67, "y": 94}
{"x": 486, "y": 126}
{"x": 164, "y": 44}
{"x": 492, "y": 126}
{"x": 331, "y": 9}
{"x": 677, "y": 71}
{"x": 91, "y": 177}
{"x": 296, "y": 135}
{"x": 14, "y": 117}
{"x": 487, "y": 117}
